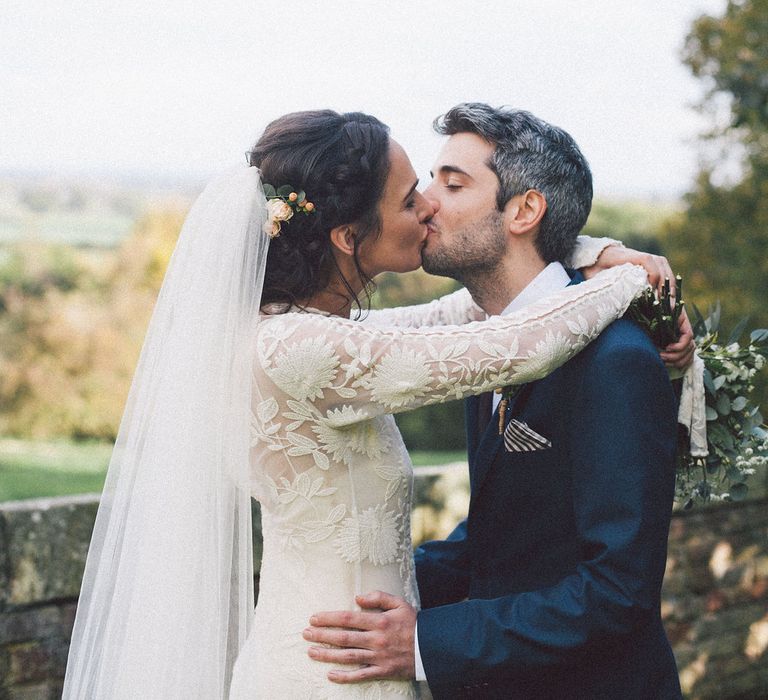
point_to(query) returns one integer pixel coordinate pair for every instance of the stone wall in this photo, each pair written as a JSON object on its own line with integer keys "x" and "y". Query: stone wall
{"x": 715, "y": 601}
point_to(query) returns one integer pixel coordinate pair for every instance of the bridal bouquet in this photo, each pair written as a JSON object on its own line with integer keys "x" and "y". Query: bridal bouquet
{"x": 737, "y": 439}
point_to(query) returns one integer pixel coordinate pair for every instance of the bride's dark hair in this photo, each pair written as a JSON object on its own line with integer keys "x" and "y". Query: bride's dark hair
{"x": 341, "y": 161}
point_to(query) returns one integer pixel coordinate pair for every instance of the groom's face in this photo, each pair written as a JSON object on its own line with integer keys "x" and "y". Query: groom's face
{"x": 467, "y": 231}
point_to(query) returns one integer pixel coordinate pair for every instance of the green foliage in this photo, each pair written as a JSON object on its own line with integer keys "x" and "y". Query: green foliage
{"x": 730, "y": 53}
{"x": 437, "y": 427}
{"x": 410, "y": 288}
{"x": 633, "y": 222}
{"x": 736, "y": 435}
{"x": 719, "y": 242}
{"x": 32, "y": 269}
{"x": 737, "y": 440}
{"x": 720, "y": 245}
{"x": 71, "y": 329}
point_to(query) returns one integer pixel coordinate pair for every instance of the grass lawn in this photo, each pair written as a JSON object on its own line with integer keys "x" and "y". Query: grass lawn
{"x": 431, "y": 459}
{"x": 39, "y": 469}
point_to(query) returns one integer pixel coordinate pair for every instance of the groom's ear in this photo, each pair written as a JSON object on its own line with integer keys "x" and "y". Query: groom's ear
{"x": 343, "y": 239}
{"x": 524, "y": 212}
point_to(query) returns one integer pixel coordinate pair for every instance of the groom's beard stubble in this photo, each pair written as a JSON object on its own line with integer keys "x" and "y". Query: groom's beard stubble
{"x": 473, "y": 257}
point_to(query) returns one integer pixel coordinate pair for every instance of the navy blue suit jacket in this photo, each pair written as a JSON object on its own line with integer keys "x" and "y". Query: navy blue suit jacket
{"x": 551, "y": 586}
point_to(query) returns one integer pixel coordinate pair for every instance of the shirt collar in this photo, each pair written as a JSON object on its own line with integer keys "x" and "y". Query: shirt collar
{"x": 551, "y": 279}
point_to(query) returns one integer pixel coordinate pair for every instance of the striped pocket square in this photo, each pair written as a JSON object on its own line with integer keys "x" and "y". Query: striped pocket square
{"x": 518, "y": 437}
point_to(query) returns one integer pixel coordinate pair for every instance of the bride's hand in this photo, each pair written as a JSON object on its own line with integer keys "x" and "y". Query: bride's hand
{"x": 656, "y": 266}
{"x": 680, "y": 353}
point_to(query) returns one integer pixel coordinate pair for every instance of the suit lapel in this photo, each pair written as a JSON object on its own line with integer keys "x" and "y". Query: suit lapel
{"x": 491, "y": 442}
{"x": 487, "y": 442}
{"x": 471, "y": 411}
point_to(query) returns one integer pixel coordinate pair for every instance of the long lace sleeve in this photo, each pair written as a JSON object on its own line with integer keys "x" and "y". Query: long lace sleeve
{"x": 349, "y": 372}
{"x": 588, "y": 250}
{"x": 450, "y": 310}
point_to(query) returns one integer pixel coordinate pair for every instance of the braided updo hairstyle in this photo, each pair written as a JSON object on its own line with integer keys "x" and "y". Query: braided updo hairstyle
{"x": 341, "y": 161}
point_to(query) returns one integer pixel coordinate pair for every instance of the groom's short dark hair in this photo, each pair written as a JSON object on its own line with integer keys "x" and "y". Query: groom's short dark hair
{"x": 529, "y": 153}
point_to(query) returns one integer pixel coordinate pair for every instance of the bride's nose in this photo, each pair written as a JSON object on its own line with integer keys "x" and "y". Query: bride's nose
{"x": 426, "y": 208}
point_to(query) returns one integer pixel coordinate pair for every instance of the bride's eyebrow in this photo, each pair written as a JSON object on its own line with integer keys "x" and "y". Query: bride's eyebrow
{"x": 411, "y": 191}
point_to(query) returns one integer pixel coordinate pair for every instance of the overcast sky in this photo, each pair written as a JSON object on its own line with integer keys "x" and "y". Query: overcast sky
{"x": 180, "y": 89}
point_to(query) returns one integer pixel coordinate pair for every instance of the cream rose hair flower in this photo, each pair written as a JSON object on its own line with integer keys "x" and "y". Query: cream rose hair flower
{"x": 277, "y": 212}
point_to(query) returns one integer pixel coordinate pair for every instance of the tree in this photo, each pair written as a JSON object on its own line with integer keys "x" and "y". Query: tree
{"x": 636, "y": 224}
{"x": 70, "y": 331}
{"x": 719, "y": 241}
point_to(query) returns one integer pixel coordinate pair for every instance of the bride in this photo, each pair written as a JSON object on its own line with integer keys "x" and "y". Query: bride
{"x": 254, "y": 382}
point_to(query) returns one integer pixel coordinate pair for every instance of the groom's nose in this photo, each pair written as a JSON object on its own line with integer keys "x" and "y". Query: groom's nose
{"x": 427, "y": 208}
{"x": 434, "y": 202}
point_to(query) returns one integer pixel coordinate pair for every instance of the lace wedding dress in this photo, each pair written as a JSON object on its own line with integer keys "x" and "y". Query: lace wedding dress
{"x": 331, "y": 471}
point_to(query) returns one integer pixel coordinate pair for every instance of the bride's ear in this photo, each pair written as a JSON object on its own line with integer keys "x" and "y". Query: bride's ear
{"x": 343, "y": 239}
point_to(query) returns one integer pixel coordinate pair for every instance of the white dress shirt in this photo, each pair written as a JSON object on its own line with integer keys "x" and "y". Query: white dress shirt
{"x": 551, "y": 279}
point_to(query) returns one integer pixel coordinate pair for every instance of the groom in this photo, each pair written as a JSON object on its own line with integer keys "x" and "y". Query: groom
{"x": 551, "y": 586}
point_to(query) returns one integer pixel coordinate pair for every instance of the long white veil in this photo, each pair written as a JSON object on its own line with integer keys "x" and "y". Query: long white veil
{"x": 167, "y": 595}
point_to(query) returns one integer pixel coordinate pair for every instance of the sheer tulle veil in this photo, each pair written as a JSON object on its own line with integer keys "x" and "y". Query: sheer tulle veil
{"x": 167, "y": 595}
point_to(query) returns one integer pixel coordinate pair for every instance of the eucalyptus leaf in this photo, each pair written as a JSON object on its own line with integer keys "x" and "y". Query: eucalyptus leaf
{"x": 708, "y": 383}
{"x": 759, "y": 335}
{"x": 738, "y": 330}
{"x": 723, "y": 405}
{"x": 717, "y": 432}
{"x": 711, "y": 413}
{"x": 734, "y": 475}
{"x": 269, "y": 191}
{"x": 284, "y": 190}
{"x": 739, "y": 403}
{"x": 719, "y": 381}
{"x": 720, "y": 436}
{"x": 699, "y": 324}
{"x": 739, "y": 492}
{"x": 713, "y": 322}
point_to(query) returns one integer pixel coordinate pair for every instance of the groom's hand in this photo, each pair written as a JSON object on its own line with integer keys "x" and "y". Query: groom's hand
{"x": 680, "y": 353}
{"x": 383, "y": 640}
